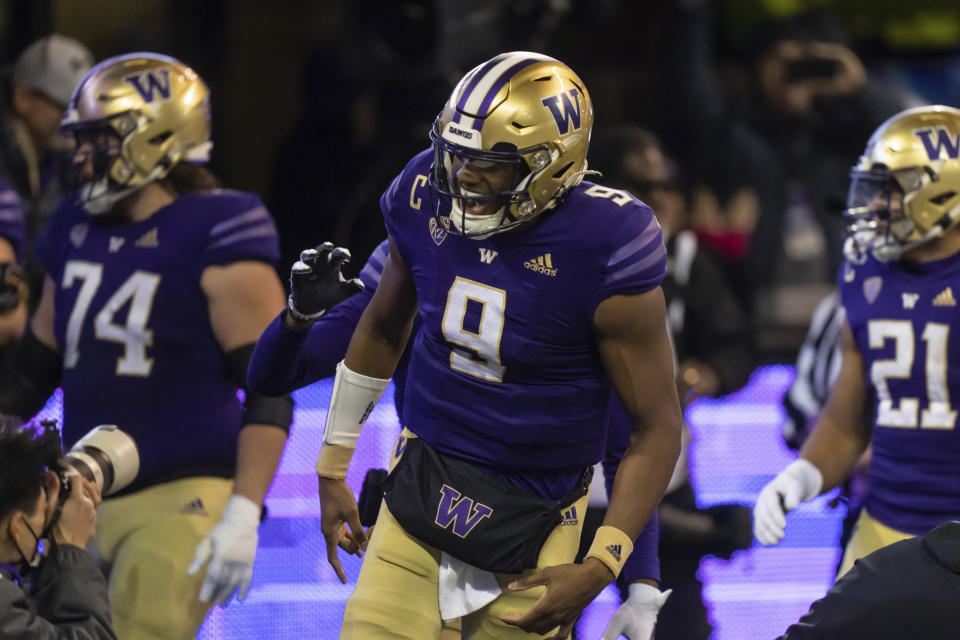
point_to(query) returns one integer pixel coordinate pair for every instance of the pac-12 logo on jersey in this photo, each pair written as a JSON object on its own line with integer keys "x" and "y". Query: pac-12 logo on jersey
{"x": 565, "y": 108}
{"x": 461, "y": 514}
{"x": 945, "y": 141}
{"x": 147, "y": 83}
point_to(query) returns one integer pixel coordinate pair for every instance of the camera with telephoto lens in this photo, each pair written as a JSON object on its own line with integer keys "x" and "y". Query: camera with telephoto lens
{"x": 106, "y": 456}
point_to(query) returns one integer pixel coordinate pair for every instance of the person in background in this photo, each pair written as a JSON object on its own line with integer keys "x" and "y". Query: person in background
{"x": 32, "y": 151}
{"x": 896, "y": 387}
{"x": 59, "y": 593}
{"x": 710, "y": 333}
{"x": 157, "y": 284}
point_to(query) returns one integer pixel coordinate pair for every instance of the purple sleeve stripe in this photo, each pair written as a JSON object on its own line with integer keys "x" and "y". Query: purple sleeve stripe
{"x": 260, "y": 231}
{"x": 657, "y": 254}
{"x": 650, "y": 234}
{"x": 371, "y": 273}
{"x": 9, "y": 196}
{"x": 11, "y": 214}
{"x": 253, "y": 215}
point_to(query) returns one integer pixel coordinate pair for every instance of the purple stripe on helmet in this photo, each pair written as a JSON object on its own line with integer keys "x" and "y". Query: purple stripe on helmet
{"x": 495, "y": 89}
{"x": 474, "y": 81}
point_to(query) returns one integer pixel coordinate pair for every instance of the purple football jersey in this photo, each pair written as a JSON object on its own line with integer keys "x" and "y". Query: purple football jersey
{"x": 902, "y": 316}
{"x": 13, "y": 226}
{"x": 504, "y": 371}
{"x": 133, "y": 327}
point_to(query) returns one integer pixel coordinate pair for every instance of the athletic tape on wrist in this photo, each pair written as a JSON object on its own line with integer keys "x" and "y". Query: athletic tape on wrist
{"x": 612, "y": 547}
{"x": 353, "y": 398}
{"x": 334, "y": 461}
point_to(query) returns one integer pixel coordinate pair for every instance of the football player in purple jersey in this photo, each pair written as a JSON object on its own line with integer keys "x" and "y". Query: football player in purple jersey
{"x": 538, "y": 294}
{"x": 899, "y": 381}
{"x": 157, "y": 286}
{"x": 288, "y": 356}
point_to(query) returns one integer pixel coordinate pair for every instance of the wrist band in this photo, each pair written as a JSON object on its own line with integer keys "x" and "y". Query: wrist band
{"x": 333, "y": 461}
{"x": 612, "y": 547}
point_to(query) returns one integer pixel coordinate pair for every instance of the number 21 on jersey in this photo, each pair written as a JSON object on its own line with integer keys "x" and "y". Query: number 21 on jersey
{"x": 139, "y": 290}
{"x": 937, "y": 414}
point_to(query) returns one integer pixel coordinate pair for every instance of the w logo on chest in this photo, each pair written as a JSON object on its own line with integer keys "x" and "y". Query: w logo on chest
{"x": 149, "y": 83}
{"x": 462, "y": 513}
{"x": 487, "y": 255}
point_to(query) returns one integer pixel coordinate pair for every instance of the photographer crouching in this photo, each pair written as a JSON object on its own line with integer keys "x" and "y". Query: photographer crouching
{"x": 58, "y": 592}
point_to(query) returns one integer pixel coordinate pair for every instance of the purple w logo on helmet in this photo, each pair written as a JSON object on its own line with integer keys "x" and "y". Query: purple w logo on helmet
{"x": 944, "y": 142}
{"x": 565, "y": 109}
{"x": 148, "y": 82}
{"x": 463, "y": 513}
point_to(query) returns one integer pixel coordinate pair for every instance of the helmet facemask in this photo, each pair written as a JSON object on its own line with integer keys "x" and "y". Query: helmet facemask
{"x": 484, "y": 192}
{"x": 99, "y": 172}
{"x": 876, "y": 215}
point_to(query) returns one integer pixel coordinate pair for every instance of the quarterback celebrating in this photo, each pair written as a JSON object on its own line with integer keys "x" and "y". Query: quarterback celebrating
{"x": 538, "y": 293}
{"x": 157, "y": 285}
{"x": 896, "y": 388}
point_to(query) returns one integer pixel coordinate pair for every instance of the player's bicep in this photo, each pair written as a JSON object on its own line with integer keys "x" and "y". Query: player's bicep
{"x": 243, "y": 298}
{"x": 635, "y": 347}
{"x": 846, "y": 404}
{"x": 394, "y": 304}
{"x": 7, "y": 254}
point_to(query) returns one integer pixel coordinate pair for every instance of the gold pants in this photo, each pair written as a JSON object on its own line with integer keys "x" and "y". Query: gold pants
{"x": 868, "y": 536}
{"x": 397, "y": 594}
{"x": 149, "y": 538}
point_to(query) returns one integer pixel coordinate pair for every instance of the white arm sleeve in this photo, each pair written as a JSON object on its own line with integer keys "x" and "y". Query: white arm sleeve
{"x": 353, "y": 398}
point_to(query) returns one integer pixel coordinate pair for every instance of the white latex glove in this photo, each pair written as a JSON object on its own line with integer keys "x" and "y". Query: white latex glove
{"x": 230, "y": 546}
{"x": 637, "y": 616}
{"x": 800, "y": 481}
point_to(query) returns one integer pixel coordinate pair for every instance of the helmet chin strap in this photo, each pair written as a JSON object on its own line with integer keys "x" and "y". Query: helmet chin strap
{"x": 98, "y": 198}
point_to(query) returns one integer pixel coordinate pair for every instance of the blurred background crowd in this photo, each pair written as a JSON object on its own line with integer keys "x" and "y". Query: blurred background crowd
{"x": 736, "y": 120}
{"x": 759, "y": 107}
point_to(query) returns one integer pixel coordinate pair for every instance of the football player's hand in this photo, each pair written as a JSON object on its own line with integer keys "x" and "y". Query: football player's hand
{"x": 340, "y": 522}
{"x": 230, "y": 547}
{"x": 637, "y": 616}
{"x": 13, "y": 286}
{"x": 316, "y": 283}
{"x": 800, "y": 481}
{"x": 570, "y": 588}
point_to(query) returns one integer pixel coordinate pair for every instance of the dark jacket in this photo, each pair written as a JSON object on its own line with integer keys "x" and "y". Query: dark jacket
{"x": 68, "y": 602}
{"x": 910, "y": 589}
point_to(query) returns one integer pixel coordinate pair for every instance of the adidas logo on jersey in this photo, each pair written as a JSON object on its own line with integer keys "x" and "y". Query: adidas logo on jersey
{"x": 615, "y": 550}
{"x": 194, "y": 508}
{"x": 569, "y": 518}
{"x": 148, "y": 240}
{"x": 945, "y": 298}
{"x": 542, "y": 264}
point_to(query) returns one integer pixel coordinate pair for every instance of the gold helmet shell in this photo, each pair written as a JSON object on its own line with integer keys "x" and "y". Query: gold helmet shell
{"x": 157, "y": 106}
{"x": 520, "y": 108}
{"x": 905, "y": 189}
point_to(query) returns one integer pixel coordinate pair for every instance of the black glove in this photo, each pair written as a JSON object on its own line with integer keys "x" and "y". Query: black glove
{"x": 12, "y": 283}
{"x": 316, "y": 283}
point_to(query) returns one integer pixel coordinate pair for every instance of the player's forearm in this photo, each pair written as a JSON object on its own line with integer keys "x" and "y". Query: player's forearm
{"x": 377, "y": 344}
{"x": 834, "y": 450}
{"x": 258, "y": 454}
{"x": 643, "y": 475}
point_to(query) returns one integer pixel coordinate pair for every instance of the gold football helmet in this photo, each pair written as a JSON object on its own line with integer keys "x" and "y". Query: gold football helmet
{"x": 510, "y": 143}
{"x": 905, "y": 190}
{"x": 134, "y": 117}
